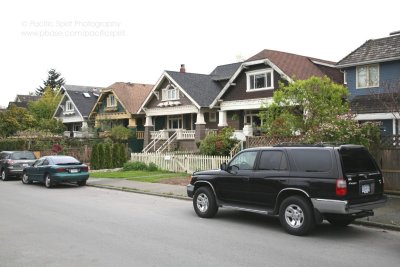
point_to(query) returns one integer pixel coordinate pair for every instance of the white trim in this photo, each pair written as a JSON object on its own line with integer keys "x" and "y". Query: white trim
{"x": 258, "y": 72}
{"x": 245, "y": 65}
{"x": 177, "y": 110}
{"x": 344, "y": 77}
{"x": 369, "y": 62}
{"x": 69, "y": 103}
{"x": 245, "y": 104}
{"x": 377, "y": 116}
{"x": 75, "y": 108}
{"x": 323, "y": 63}
{"x": 367, "y": 74}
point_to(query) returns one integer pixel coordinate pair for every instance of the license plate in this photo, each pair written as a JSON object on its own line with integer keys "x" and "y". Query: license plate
{"x": 365, "y": 189}
{"x": 73, "y": 170}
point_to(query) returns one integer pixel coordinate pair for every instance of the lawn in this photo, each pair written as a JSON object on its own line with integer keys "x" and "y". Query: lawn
{"x": 142, "y": 176}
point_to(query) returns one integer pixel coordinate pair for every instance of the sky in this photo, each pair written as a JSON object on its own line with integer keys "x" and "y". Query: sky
{"x": 97, "y": 43}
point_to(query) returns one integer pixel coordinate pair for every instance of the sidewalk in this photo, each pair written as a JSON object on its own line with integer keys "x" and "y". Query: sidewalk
{"x": 387, "y": 217}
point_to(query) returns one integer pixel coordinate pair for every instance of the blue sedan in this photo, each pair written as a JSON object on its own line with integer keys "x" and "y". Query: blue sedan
{"x": 52, "y": 170}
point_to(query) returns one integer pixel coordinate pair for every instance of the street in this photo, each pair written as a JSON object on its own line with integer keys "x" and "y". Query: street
{"x": 86, "y": 226}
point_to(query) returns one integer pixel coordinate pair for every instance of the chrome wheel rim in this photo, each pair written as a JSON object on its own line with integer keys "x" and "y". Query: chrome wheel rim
{"x": 25, "y": 178}
{"x": 294, "y": 216}
{"x": 202, "y": 202}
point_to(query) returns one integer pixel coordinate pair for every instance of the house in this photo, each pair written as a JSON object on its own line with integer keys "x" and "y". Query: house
{"x": 23, "y": 100}
{"x": 74, "y": 108}
{"x": 119, "y": 104}
{"x": 372, "y": 74}
{"x": 177, "y": 109}
{"x": 253, "y": 83}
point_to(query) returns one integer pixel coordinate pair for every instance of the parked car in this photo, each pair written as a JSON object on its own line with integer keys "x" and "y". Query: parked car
{"x": 12, "y": 163}
{"x": 302, "y": 185}
{"x": 52, "y": 170}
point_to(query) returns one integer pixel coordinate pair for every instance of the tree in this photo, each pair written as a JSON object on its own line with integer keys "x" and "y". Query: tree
{"x": 54, "y": 80}
{"x": 43, "y": 110}
{"x": 94, "y": 157}
{"x": 218, "y": 144}
{"x": 304, "y": 105}
{"x": 108, "y": 164}
{"x": 100, "y": 148}
{"x": 15, "y": 119}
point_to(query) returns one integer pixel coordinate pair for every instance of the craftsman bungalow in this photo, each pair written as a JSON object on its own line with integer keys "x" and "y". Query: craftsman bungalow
{"x": 119, "y": 104}
{"x": 74, "y": 107}
{"x": 372, "y": 74}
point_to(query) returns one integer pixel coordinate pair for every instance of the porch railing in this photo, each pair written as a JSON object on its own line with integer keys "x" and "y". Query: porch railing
{"x": 139, "y": 134}
{"x": 186, "y": 134}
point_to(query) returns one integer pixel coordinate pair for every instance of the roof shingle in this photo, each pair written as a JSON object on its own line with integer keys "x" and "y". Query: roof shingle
{"x": 131, "y": 95}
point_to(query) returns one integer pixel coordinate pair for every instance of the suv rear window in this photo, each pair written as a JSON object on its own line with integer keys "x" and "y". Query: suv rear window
{"x": 312, "y": 160}
{"x": 356, "y": 160}
{"x": 22, "y": 155}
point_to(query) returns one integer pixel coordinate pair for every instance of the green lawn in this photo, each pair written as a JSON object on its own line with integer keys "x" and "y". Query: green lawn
{"x": 142, "y": 176}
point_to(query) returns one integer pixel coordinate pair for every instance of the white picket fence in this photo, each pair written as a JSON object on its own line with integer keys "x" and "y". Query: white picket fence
{"x": 181, "y": 163}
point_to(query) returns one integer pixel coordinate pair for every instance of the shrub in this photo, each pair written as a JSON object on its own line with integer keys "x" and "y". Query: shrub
{"x": 100, "y": 148}
{"x": 218, "y": 144}
{"x": 108, "y": 164}
{"x": 120, "y": 133}
{"x": 122, "y": 154}
{"x": 115, "y": 156}
{"x": 152, "y": 167}
{"x": 94, "y": 157}
{"x": 135, "y": 166}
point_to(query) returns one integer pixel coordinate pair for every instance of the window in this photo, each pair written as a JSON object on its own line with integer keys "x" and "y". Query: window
{"x": 356, "y": 160}
{"x": 175, "y": 122}
{"x": 170, "y": 93}
{"x": 251, "y": 118}
{"x": 273, "y": 160}
{"x": 69, "y": 106}
{"x": 212, "y": 116}
{"x": 368, "y": 76}
{"x": 111, "y": 101}
{"x": 244, "y": 160}
{"x": 314, "y": 160}
{"x": 260, "y": 80}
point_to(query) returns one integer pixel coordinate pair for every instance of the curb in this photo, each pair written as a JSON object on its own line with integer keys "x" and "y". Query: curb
{"x": 135, "y": 190}
{"x": 378, "y": 225}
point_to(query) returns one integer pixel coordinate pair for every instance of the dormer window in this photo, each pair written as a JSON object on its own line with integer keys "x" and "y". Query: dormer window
{"x": 260, "y": 80}
{"x": 68, "y": 106}
{"x": 170, "y": 93}
{"x": 111, "y": 102}
{"x": 368, "y": 76}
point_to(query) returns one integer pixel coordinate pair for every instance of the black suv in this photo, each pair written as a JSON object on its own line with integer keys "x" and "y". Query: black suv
{"x": 12, "y": 163}
{"x": 301, "y": 184}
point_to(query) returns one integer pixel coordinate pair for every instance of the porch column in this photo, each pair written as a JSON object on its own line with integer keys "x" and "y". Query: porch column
{"x": 148, "y": 127}
{"x": 84, "y": 127}
{"x": 132, "y": 123}
{"x": 222, "y": 119}
{"x": 200, "y": 127}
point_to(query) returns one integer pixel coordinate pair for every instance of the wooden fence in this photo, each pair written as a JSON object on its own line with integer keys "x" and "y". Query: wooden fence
{"x": 180, "y": 163}
{"x": 389, "y": 160}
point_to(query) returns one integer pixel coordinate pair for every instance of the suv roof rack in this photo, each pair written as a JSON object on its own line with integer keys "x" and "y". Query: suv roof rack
{"x": 321, "y": 144}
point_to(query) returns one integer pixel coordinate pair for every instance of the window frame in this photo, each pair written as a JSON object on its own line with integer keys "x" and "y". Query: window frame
{"x": 69, "y": 103}
{"x": 367, "y": 67}
{"x": 165, "y": 93}
{"x": 111, "y": 101}
{"x": 171, "y": 118}
{"x": 258, "y": 72}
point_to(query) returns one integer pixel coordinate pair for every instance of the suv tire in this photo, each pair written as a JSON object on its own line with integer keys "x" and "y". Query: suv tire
{"x": 339, "y": 221}
{"x": 296, "y": 215}
{"x": 204, "y": 202}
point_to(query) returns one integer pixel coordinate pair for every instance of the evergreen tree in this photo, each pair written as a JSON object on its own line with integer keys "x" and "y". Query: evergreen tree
{"x": 107, "y": 156}
{"x": 115, "y": 156}
{"x": 94, "y": 157}
{"x": 101, "y": 161}
{"x": 54, "y": 80}
{"x": 122, "y": 154}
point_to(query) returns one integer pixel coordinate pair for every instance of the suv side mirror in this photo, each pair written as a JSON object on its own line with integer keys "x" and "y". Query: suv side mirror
{"x": 223, "y": 166}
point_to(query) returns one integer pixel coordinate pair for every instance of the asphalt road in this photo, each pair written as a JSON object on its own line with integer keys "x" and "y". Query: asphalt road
{"x": 85, "y": 226}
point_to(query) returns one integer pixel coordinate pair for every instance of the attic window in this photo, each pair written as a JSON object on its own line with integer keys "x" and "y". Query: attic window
{"x": 260, "y": 80}
{"x": 111, "y": 101}
{"x": 170, "y": 93}
{"x": 69, "y": 106}
{"x": 86, "y": 95}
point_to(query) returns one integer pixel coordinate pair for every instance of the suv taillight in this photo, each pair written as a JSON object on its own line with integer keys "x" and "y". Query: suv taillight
{"x": 341, "y": 187}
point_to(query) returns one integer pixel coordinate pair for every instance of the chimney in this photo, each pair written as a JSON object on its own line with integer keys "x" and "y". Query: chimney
{"x": 182, "y": 69}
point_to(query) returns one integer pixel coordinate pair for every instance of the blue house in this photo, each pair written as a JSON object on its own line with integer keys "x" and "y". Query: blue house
{"x": 372, "y": 75}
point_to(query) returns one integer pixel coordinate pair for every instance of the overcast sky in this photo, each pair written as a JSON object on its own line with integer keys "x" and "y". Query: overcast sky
{"x": 97, "y": 43}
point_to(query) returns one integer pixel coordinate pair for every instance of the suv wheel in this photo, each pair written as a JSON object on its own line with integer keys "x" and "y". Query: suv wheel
{"x": 296, "y": 216}
{"x": 204, "y": 203}
{"x": 339, "y": 221}
{"x": 3, "y": 175}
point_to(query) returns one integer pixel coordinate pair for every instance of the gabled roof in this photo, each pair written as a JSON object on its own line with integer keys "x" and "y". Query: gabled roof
{"x": 224, "y": 72}
{"x": 200, "y": 87}
{"x": 83, "y": 103}
{"x": 130, "y": 95}
{"x": 297, "y": 66}
{"x": 373, "y": 51}
{"x": 26, "y": 98}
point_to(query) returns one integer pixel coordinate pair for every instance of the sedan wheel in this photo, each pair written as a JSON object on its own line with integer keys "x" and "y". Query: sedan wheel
{"x": 25, "y": 179}
{"x": 3, "y": 175}
{"x": 47, "y": 181}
